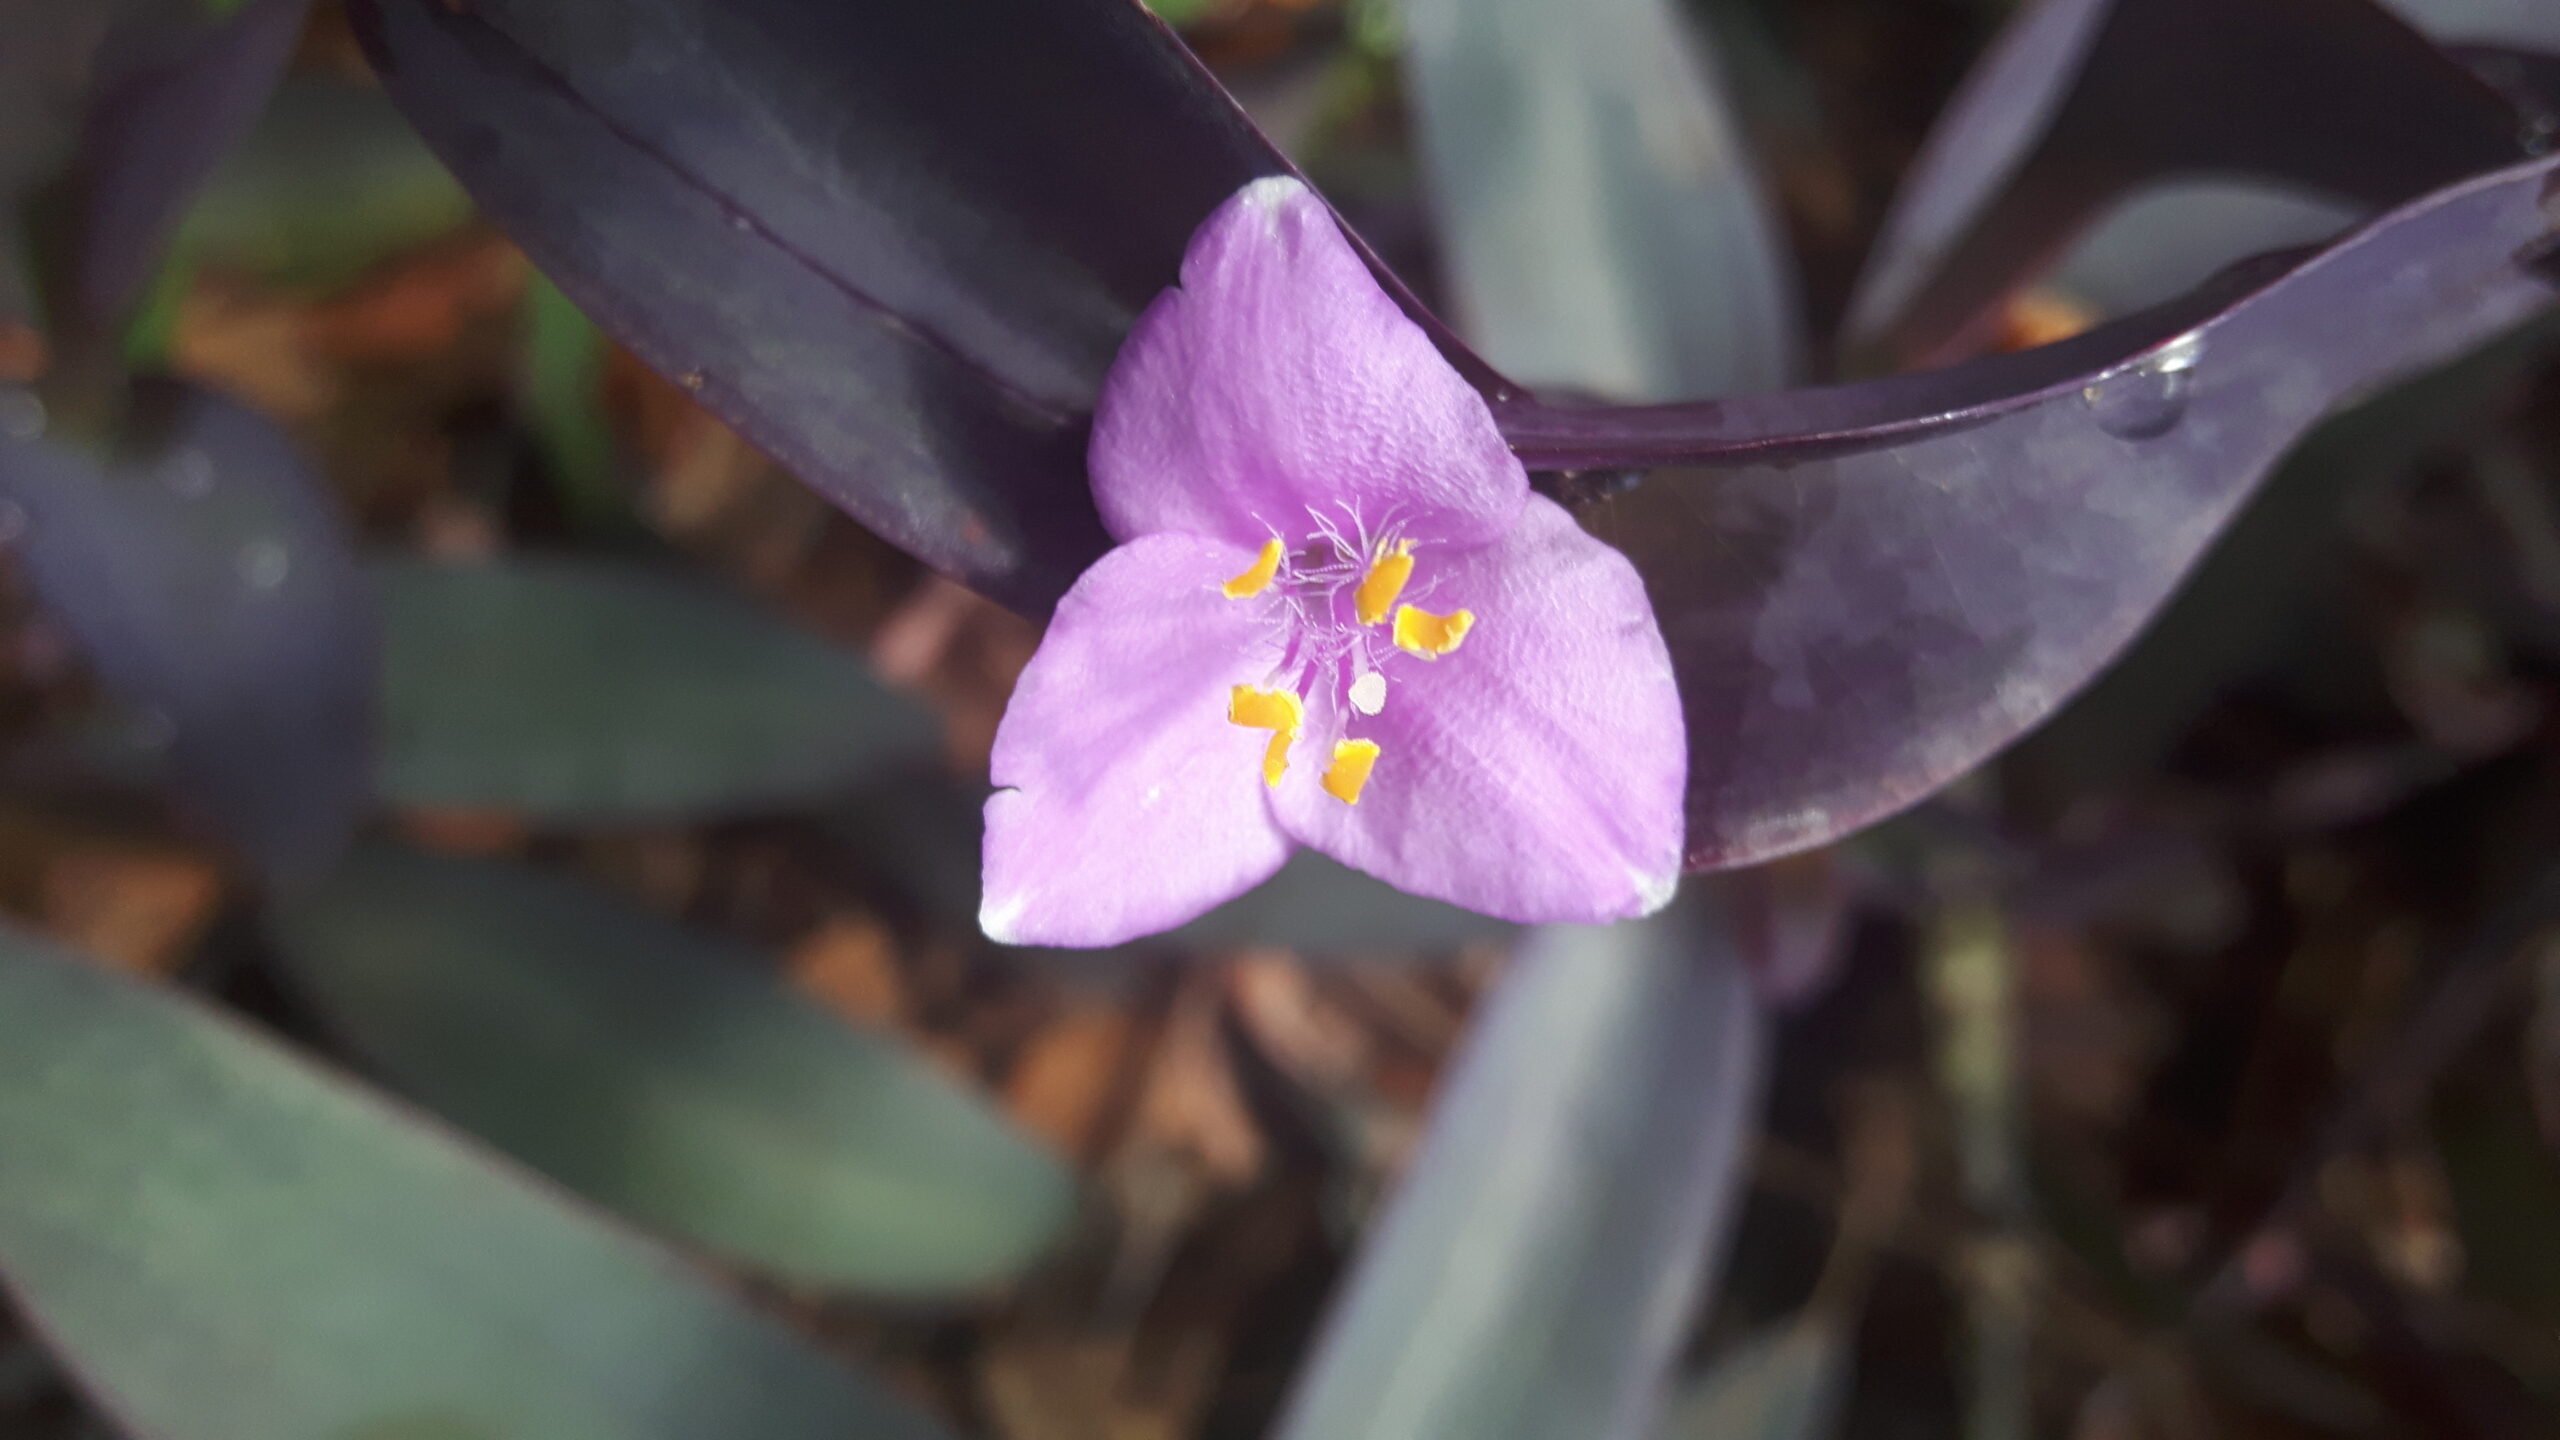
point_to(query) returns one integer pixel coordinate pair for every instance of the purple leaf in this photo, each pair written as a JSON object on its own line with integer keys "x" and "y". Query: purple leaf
{"x": 1855, "y": 627}
{"x": 895, "y": 244}
{"x": 2083, "y": 102}
{"x": 212, "y": 584}
{"x": 170, "y": 93}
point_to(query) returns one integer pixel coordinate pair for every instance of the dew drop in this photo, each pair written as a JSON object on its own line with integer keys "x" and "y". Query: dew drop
{"x": 21, "y": 415}
{"x": 264, "y": 564}
{"x": 190, "y": 474}
{"x": 13, "y": 522}
{"x": 1369, "y": 693}
{"x": 152, "y": 729}
{"x": 738, "y": 221}
{"x": 2146, "y": 399}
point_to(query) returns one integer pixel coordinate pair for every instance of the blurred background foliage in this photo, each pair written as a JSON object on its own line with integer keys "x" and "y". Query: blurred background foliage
{"x": 2193, "y": 1070}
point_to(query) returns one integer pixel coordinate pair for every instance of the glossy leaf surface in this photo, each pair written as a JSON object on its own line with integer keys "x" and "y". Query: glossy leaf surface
{"x": 1868, "y": 587}
{"x": 1854, "y": 629}
{"x": 1604, "y": 225}
{"x": 1535, "y": 1271}
{"x": 579, "y": 690}
{"x": 667, "y": 1075}
{"x": 226, "y": 1243}
{"x": 212, "y": 584}
{"x": 865, "y": 235}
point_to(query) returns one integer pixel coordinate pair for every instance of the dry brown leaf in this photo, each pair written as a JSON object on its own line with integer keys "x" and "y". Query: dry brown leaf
{"x": 1069, "y": 1387}
{"x": 850, "y": 965}
{"x": 464, "y": 832}
{"x": 137, "y": 908}
{"x": 1063, "y": 1086}
{"x": 1321, "y": 1046}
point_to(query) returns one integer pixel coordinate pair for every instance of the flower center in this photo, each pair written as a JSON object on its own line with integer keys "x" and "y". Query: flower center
{"x": 1334, "y": 601}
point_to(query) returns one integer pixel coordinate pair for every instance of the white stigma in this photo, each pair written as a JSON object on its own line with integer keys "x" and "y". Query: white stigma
{"x": 1369, "y": 693}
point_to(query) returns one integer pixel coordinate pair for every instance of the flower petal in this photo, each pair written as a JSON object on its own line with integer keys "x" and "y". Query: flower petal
{"x": 1131, "y": 805}
{"x": 1535, "y": 772}
{"x": 1281, "y": 380}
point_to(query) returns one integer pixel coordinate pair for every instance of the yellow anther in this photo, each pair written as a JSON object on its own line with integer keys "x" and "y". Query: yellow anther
{"x": 1349, "y": 772}
{"x": 1259, "y": 709}
{"x": 1275, "y": 756}
{"x": 1277, "y": 711}
{"x": 1384, "y": 582}
{"x": 1256, "y": 576}
{"x": 1419, "y": 632}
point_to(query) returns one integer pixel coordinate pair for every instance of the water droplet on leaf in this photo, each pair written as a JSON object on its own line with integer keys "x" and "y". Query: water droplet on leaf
{"x": 13, "y": 522}
{"x": 21, "y": 415}
{"x": 2146, "y": 399}
{"x": 264, "y": 564}
{"x": 190, "y": 474}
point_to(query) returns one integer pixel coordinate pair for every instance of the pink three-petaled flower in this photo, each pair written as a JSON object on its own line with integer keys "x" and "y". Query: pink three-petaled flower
{"x": 1337, "y": 617}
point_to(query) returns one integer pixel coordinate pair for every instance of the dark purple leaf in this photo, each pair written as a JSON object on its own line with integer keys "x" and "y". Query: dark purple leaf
{"x": 213, "y": 586}
{"x": 1854, "y": 627}
{"x": 2084, "y": 102}
{"x": 895, "y": 244}
{"x": 173, "y": 93}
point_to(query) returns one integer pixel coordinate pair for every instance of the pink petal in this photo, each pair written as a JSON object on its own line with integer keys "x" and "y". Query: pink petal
{"x": 1281, "y": 380}
{"x": 1131, "y": 805}
{"x": 1535, "y": 773}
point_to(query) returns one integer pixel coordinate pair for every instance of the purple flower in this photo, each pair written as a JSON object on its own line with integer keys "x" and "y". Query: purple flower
{"x": 1337, "y": 617}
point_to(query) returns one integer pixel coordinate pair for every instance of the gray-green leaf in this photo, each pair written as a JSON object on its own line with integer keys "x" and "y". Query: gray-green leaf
{"x": 229, "y": 1244}
{"x": 578, "y": 691}
{"x": 664, "y": 1073}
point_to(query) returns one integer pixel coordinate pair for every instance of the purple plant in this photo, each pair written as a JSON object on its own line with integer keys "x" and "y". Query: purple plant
{"x": 1290, "y": 467}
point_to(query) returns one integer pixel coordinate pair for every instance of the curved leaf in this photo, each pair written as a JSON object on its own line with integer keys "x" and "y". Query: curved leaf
{"x": 175, "y": 84}
{"x": 665, "y": 1074}
{"x": 1852, "y": 630}
{"x": 2083, "y": 102}
{"x": 228, "y": 1244}
{"x": 1604, "y": 224}
{"x": 1534, "y": 1273}
{"x": 578, "y": 690}
{"x": 211, "y": 582}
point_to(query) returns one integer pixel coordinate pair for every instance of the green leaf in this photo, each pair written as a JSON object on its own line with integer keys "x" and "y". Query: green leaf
{"x": 1535, "y": 1272}
{"x": 578, "y": 691}
{"x": 663, "y": 1073}
{"x": 1782, "y": 1384}
{"x": 227, "y": 1243}
{"x": 563, "y": 387}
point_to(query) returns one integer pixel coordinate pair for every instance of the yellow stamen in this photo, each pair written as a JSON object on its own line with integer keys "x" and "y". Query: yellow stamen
{"x": 1349, "y": 772}
{"x": 1275, "y": 756}
{"x": 1384, "y": 582}
{"x": 1258, "y": 575}
{"x": 1419, "y": 632}
{"x": 1277, "y": 711}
